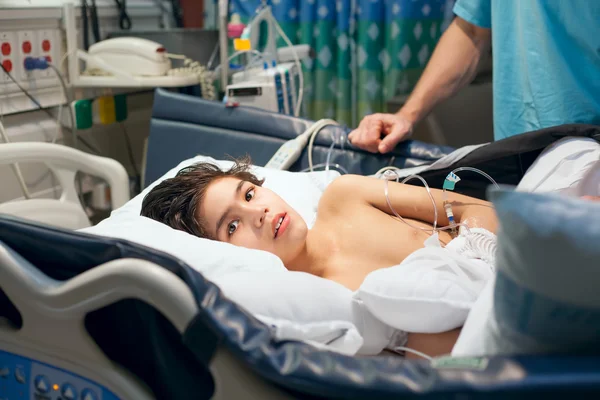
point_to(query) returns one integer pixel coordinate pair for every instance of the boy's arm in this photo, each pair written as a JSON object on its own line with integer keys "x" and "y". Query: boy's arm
{"x": 412, "y": 201}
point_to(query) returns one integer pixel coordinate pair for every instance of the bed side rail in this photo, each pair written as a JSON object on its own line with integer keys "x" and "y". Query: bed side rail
{"x": 64, "y": 162}
{"x": 53, "y": 314}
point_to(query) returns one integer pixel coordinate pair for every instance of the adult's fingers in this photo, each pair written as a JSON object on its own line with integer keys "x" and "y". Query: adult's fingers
{"x": 397, "y": 129}
{"x": 397, "y": 134}
{"x": 368, "y": 134}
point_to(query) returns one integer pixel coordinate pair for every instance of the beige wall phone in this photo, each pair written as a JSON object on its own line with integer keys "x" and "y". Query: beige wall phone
{"x": 143, "y": 57}
{"x": 129, "y": 62}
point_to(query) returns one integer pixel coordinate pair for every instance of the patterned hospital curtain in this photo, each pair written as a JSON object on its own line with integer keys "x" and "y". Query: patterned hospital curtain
{"x": 367, "y": 51}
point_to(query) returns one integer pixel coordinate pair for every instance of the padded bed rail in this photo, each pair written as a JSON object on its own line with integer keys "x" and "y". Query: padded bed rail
{"x": 224, "y": 348}
{"x": 185, "y": 126}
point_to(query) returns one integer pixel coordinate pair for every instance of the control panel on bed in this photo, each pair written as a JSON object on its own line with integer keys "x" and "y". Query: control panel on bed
{"x": 26, "y": 379}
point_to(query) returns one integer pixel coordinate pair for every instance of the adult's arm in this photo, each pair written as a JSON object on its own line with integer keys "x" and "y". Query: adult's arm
{"x": 453, "y": 65}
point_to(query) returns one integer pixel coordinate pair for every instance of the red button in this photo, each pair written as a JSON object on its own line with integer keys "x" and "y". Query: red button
{"x": 46, "y": 45}
{"x": 7, "y": 64}
{"x": 49, "y": 59}
{"x": 26, "y": 47}
{"x": 5, "y": 49}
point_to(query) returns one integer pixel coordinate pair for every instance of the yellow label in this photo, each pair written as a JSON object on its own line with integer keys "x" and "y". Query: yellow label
{"x": 241, "y": 44}
{"x": 106, "y": 110}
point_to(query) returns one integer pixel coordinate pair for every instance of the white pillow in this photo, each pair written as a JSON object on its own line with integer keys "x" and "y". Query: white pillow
{"x": 431, "y": 291}
{"x": 569, "y": 166}
{"x": 211, "y": 258}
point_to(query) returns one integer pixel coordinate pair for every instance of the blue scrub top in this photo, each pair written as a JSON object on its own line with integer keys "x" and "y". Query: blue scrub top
{"x": 546, "y": 56}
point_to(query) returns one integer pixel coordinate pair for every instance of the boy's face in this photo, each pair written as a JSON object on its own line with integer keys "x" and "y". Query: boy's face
{"x": 246, "y": 215}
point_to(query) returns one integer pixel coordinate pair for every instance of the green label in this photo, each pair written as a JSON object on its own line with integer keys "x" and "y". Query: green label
{"x": 471, "y": 363}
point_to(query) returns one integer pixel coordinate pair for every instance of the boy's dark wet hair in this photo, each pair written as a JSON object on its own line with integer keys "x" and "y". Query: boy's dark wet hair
{"x": 176, "y": 201}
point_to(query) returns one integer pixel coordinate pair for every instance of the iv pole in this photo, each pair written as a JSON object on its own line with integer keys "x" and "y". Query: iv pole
{"x": 223, "y": 43}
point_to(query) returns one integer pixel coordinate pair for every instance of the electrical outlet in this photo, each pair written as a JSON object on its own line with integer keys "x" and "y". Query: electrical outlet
{"x": 8, "y": 54}
{"x": 49, "y": 47}
{"x": 27, "y": 46}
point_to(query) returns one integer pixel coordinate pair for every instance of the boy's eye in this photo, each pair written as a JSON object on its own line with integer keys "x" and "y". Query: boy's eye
{"x": 249, "y": 194}
{"x": 232, "y": 227}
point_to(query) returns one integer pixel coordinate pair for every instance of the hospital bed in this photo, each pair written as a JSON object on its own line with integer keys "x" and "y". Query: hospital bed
{"x": 92, "y": 317}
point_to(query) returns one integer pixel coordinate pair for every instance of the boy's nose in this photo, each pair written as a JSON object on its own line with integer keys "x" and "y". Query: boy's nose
{"x": 260, "y": 214}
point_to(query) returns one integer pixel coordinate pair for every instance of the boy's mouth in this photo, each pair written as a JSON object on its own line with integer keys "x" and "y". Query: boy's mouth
{"x": 280, "y": 222}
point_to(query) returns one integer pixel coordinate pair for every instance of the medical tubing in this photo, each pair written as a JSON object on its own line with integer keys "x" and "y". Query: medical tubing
{"x": 313, "y": 131}
{"x": 58, "y": 124}
{"x": 328, "y": 158}
{"x": 393, "y": 168}
{"x": 478, "y": 171}
{"x": 445, "y": 228}
{"x": 334, "y": 140}
{"x": 451, "y": 180}
{"x": 68, "y": 101}
{"x": 257, "y": 55}
{"x": 320, "y": 165}
{"x": 435, "y": 213}
{"x": 416, "y": 352}
{"x": 15, "y": 166}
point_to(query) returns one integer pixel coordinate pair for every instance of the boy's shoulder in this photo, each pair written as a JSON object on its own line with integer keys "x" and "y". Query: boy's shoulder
{"x": 343, "y": 191}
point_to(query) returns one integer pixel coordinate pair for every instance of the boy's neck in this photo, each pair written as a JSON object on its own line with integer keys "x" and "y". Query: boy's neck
{"x": 313, "y": 257}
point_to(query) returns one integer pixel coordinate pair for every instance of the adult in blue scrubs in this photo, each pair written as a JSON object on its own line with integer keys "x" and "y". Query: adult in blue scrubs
{"x": 546, "y": 68}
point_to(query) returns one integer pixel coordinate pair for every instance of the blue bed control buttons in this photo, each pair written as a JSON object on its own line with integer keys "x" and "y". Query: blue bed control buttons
{"x": 68, "y": 392}
{"x": 20, "y": 375}
{"x": 23, "y": 378}
{"x": 41, "y": 384}
{"x": 88, "y": 394}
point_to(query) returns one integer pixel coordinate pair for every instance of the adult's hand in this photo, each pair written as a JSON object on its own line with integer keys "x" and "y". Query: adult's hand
{"x": 381, "y": 132}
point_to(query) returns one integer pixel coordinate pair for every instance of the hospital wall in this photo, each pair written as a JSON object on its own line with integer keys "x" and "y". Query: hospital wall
{"x": 109, "y": 139}
{"x": 36, "y": 125}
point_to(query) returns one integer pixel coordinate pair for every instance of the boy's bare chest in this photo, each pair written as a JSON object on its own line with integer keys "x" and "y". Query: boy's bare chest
{"x": 363, "y": 240}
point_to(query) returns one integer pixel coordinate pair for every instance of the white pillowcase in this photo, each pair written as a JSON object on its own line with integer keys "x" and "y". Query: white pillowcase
{"x": 569, "y": 166}
{"x": 297, "y": 306}
{"x": 211, "y": 258}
